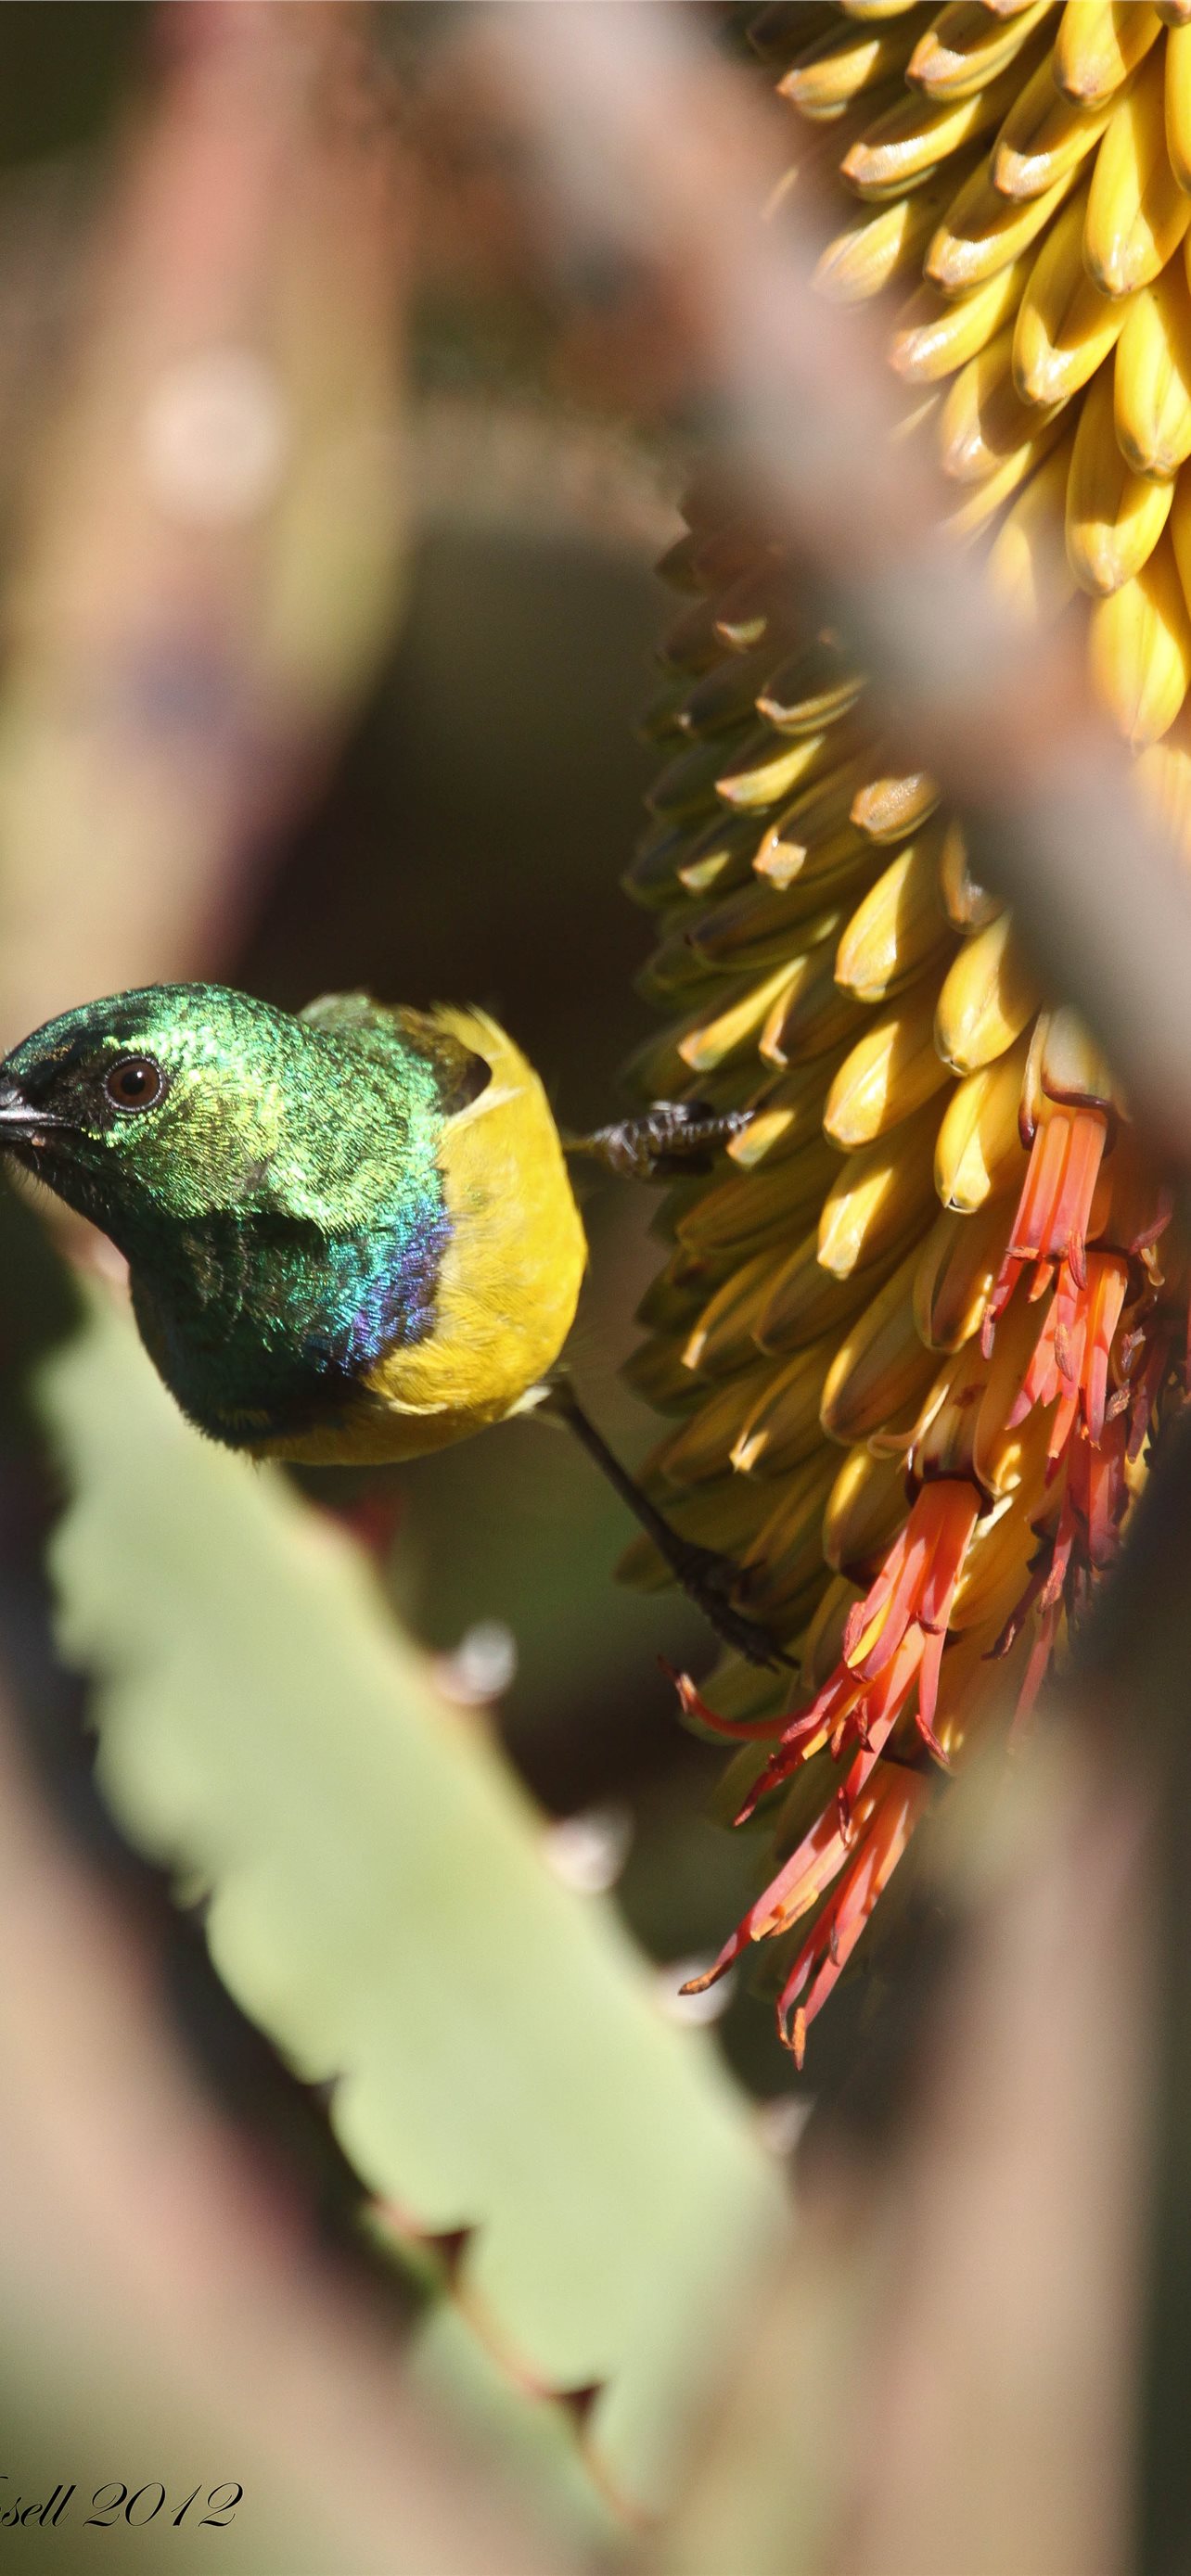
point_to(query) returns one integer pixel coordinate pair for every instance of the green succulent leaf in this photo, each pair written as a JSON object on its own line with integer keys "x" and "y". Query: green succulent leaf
{"x": 379, "y": 1901}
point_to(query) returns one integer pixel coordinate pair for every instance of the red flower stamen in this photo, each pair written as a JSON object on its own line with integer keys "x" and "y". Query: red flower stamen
{"x": 883, "y": 1703}
{"x": 1055, "y": 1208}
{"x": 897, "y": 1803}
{"x": 1035, "y": 1672}
{"x": 918, "y": 1578}
{"x": 1097, "y": 1491}
{"x": 741, "y": 1730}
{"x": 887, "y": 1644}
{"x": 1143, "y": 1395}
{"x": 799, "y": 1884}
{"x": 1071, "y": 1358}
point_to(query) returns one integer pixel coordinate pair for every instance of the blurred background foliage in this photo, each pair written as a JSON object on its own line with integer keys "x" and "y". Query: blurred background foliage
{"x": 374, "y": 1897}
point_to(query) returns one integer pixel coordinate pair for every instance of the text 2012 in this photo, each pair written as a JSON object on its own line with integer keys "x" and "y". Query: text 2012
{"x": 116, "y": 2503}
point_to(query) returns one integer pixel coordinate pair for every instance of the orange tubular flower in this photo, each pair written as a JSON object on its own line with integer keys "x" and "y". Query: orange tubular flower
{"x": 898, "y": 1803}
{"x": 866, "y": 1850}
{"x": 939, "y": 1248}
{"x": 1051, "y": 1225}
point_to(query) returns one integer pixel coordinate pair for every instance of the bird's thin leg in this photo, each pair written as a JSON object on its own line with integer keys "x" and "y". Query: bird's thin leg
{"x": 671, "y": 1136}
{"x": 706, "y": 1576}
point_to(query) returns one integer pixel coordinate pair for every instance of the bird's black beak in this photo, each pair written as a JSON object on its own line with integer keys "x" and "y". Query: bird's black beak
{"x": 21, "y": 1122}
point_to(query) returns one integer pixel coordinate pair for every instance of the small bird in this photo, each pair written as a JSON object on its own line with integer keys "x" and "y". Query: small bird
{"x": 350, "y": 1232}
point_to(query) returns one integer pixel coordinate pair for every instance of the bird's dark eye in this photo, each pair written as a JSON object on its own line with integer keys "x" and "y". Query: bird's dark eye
{"x": 136, "y": 1082}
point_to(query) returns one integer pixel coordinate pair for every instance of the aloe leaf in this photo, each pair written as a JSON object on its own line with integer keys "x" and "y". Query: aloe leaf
{"x": 379, "y": 1901}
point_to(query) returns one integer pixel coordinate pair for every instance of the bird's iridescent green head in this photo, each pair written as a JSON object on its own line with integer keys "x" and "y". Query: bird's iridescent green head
{"x": 186, "y": 1100}
{"x": 272, "y": 1180}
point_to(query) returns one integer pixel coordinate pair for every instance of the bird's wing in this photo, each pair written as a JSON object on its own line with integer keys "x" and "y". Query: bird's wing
{"x": 384, "y": 1029}
{"x": 346, "y": 1012}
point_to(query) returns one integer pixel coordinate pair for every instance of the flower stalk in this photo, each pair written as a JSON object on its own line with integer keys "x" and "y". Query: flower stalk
{"x": 1016, "y": 197}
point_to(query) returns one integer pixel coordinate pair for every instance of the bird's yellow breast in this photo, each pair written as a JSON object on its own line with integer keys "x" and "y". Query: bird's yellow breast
{"x": 509, "y": 1280}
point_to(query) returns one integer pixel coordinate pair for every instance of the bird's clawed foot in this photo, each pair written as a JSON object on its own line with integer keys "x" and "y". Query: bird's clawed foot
{"x": 671, "y": 1139}
{"x": 709, "y": 1580}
